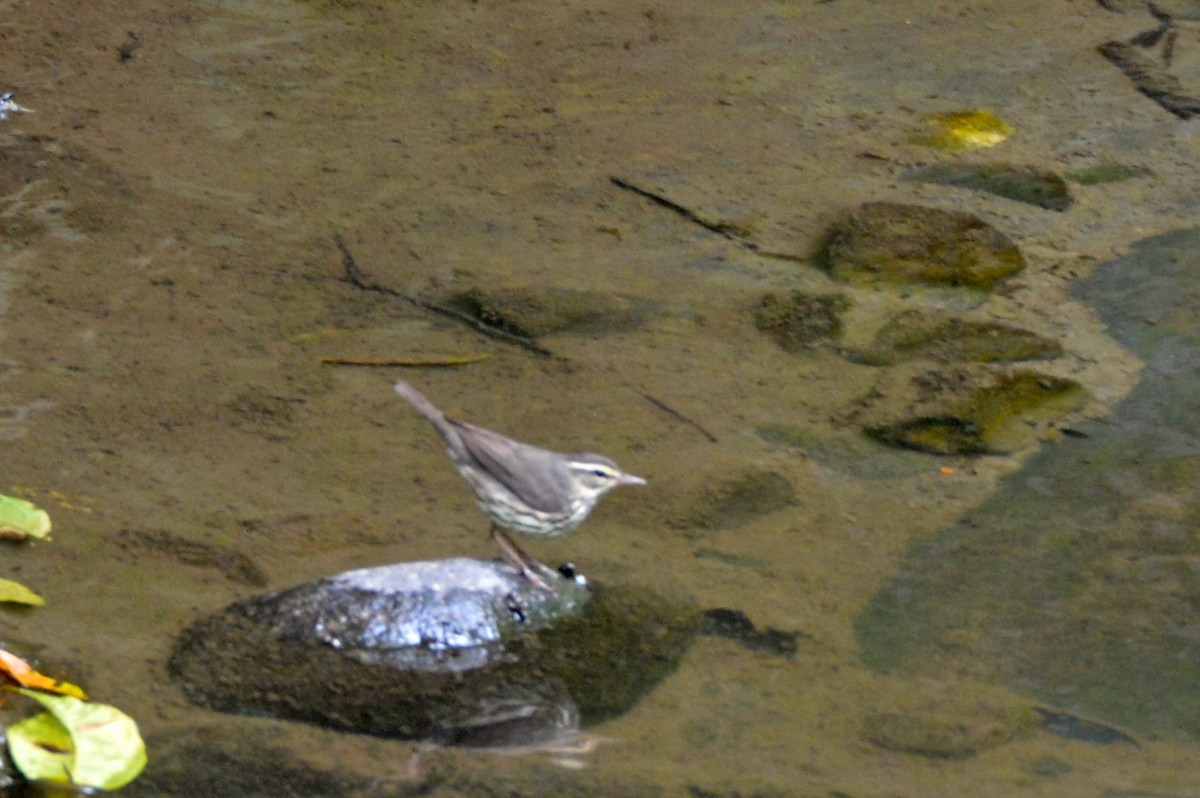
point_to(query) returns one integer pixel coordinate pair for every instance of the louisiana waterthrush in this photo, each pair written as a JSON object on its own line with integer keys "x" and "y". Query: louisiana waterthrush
{"x": 522, "y": 488}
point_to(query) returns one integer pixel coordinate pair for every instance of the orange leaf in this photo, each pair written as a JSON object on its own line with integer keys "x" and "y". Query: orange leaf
{"x": 21, "y": 672}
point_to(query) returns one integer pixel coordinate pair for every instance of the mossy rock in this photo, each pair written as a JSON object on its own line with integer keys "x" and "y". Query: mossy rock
{"x": 892, "y": 244}
{"x": 1027, "y": 184}
{"x": 931, "y": 335}
{"x": 980, "y": 414}
{"x": 799, "y": 320}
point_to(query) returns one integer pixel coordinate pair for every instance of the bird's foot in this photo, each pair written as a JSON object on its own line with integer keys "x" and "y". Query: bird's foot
{"x": 530, "y": 568}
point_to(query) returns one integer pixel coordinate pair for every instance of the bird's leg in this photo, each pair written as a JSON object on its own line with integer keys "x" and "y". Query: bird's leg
{"x": 518, "y": 559}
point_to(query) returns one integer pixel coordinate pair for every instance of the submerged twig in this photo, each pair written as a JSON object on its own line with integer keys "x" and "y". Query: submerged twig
{"x": 726, "y": 231}
{"x": 356, "y": 277}
{"x": 723, "y": 230}
{"x": 483, "y": 327}
{"x": 409, "y": 362}
{"x": 675, "y": 414}
{"x": 1151, "y": 80}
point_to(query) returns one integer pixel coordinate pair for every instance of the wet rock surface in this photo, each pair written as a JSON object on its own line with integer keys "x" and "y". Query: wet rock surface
{"x": 460, "y": 651}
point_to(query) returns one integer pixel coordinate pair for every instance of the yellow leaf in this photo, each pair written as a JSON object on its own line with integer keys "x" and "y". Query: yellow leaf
{"x": 22, "y": 673}
{"x": 965, "y": 130}
{"x": 75, "y": 742}
{"x": 17, "y": 593}
{"x": 20, "y": 519}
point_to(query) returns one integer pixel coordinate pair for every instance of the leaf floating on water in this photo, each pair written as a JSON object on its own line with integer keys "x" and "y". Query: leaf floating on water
{"x": 77, "y": 743}
{"x": 16, "y": 593}
{"x": 21, "y": 672}
{"x": 960, "y": 131}
{"x": 20, "y": 520}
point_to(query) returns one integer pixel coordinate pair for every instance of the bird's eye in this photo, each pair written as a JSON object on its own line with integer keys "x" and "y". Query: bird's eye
{"x": 599, "y": 473}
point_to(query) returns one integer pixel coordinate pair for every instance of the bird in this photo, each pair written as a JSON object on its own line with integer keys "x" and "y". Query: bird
{"x": 522, "y": 488}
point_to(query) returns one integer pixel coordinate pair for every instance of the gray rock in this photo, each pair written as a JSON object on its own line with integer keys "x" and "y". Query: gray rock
{"x": 459, "y": 651}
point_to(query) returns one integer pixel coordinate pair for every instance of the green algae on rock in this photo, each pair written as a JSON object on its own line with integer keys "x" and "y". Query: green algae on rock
{"x": 965, "y": 413}
{"x": 934, "y": 335}
{"x": 1106, "y": 173}
{"x": 1027, "y": 184}
{"x": 890, "y": 243}
{"x": 799, "y": 320}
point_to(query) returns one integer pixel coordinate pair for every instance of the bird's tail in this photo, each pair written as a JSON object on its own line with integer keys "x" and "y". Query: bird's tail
{"x": 423, "y": 405}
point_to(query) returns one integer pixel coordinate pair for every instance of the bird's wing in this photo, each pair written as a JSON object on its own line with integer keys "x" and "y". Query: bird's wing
{"x": 513, "y": 464}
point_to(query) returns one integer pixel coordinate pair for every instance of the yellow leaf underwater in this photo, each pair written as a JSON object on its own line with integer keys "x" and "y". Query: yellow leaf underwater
{"x": 20, "y": 520}
{"x": 21, "y": 672}
{"x": 960, "y": 131}
{"x": 78, "y": 743}
{"x": 17, "y": 593}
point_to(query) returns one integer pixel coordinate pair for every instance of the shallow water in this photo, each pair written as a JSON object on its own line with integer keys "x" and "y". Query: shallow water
{"x": 173, "y": 282}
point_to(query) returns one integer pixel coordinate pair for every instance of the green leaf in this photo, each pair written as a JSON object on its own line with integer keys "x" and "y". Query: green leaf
{"x": 77, "y": 742}
{"x": 20, "y": 519}
{"x": 17, "y": 593}
{"x": 41, "y": 747}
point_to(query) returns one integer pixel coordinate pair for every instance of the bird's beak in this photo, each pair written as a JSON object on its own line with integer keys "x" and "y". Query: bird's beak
{"x": 630, "y": 479}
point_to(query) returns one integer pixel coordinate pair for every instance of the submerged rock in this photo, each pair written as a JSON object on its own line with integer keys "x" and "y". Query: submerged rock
{"x": 973, "y": 412}
{"x": 931, "y": 335}
{"x": 954, "y": 721}
{"x": 460, "y": 651}
{"x": 1027, "y": 184}
{"x": 1076, "y": 582}
{"x": 799, "y": 320}
{"x": 888, "y": 243}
